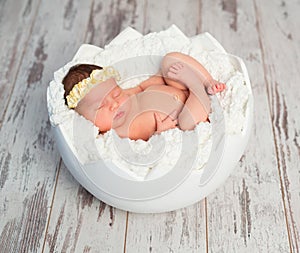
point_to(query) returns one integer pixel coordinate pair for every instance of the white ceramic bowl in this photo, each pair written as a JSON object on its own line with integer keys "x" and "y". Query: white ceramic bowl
{"x": 176, "y": 189}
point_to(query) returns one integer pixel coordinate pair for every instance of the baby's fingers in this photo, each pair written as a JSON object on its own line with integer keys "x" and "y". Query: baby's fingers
{"x": 175, "y": 122}
{"x": 170, "y": 123}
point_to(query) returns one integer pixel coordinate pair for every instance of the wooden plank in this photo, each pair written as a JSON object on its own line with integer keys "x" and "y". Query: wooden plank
{"x": 79, "y": 222}
{"x": 15, "y": 25}
{"x": 246, "y": 214}
{"x": 183, "y": 230}
{"x": 162, "y": 14}
{"x": 280, "y": 40}
{"x": 177, "y": 231}
{"x": 109, "y": 18}
{"x": 29, "y": 161}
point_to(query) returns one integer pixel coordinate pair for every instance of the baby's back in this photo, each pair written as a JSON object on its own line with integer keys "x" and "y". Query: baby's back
{"x": 160, "y": 99}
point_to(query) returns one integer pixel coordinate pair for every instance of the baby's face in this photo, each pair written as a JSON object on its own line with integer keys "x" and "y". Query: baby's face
{"x": 105, "y": 105}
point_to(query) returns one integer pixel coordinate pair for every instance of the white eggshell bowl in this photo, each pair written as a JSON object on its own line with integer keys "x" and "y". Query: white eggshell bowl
{"x": 176, "y": 189}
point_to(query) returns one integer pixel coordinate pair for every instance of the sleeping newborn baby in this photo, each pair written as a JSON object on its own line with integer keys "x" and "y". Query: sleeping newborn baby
{"x": 176, "y": 97}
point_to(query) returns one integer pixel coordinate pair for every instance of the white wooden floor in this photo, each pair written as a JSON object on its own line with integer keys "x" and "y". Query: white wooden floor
{"x": 42, "y": 207}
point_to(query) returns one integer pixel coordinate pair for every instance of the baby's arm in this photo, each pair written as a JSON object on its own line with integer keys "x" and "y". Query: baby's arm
{"x": 153, "y": 80}
{"x": 155, "y": 122}
{"x": 165, "y": 124}
{"x": 141, "y": 130}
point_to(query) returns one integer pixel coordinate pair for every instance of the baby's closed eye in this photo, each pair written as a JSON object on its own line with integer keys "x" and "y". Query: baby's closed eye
{"x": 116, "y": 93}
{"x": 102, "y": 105}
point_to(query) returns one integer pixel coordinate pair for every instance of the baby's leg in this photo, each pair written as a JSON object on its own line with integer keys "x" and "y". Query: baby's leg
{"x": 197, "y": 105}
{"x": 189, "y": 77}
{"x": 192, "y": 113}
{"x": 212, "y": 86}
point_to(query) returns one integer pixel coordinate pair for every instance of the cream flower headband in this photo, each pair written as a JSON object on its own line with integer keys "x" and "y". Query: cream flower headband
{"x": 83, "y": 87}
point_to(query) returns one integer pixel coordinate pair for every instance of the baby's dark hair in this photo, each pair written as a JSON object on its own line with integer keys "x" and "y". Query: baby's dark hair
{"x": 76, "y": 74}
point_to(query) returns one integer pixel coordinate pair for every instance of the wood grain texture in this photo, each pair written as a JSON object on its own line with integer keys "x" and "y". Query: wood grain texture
{"x": 109, "y": 18}
{"x": 160, "y": 15}
{"x": 281, "y": 62}
{"x": 177, "y": 231}
{"x": 183, "y": 230}
{"x": 247, "y": 213}
{"x": 79, "y": 222}
{"x": 15, "y": 28}
{"x": 43, "y": 208}
{"x": 29, "y": 160}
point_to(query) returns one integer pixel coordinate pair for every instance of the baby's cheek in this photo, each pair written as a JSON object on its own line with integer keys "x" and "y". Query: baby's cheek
{"x": 103, "y": 121}
{"x": 96, "y": 121}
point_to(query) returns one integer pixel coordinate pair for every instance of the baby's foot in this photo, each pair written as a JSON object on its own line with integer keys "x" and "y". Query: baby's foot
{"x": 193, "y": 80}
{"x": 179, "y": 72}
{"x": 186, "y": 75}
{"x": 215, "y": 87}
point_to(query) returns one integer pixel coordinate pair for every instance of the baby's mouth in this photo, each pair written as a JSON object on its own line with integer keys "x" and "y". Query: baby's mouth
{"x": 119, "y": 115}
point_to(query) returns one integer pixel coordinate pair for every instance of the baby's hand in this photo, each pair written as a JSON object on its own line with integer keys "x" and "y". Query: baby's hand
{"x": 165, "y": 124}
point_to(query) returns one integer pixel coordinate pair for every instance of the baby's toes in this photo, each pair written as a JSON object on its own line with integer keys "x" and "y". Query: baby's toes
{"x": 218, "y": 87}
{"x": 178, "y": 65}
{"x": 172, "y": 74}
{"x": 215, "y": 89}
{"x": 222, "y": 86}
{"x": 211, "y": 90}
{"x": 173, "y": 69}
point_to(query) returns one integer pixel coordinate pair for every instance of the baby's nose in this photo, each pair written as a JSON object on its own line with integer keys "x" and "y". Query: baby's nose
{"x": 114, "y": 105}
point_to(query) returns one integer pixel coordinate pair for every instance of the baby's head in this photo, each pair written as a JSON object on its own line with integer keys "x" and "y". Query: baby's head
{"x": 75, "y": 75}
{"x": 93, "y": 92}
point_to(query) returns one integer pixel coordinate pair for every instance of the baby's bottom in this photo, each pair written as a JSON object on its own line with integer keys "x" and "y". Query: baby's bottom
{"x": 185, "y": 73}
